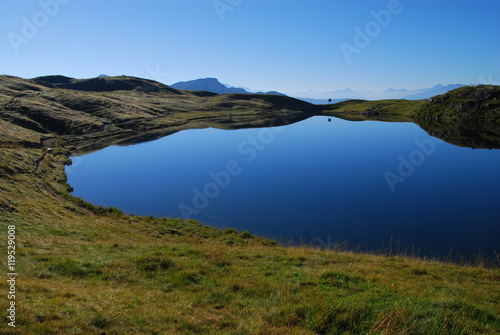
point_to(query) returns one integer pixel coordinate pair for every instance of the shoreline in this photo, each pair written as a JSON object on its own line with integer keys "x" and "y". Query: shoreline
{"x": 489, "y": 259}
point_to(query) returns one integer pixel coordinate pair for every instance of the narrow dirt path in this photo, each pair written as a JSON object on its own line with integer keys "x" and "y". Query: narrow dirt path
{"x": 58, "y": 197}
{"x": 40, "y": 163}
{"x": 46, "y": 186}
{"x": 47, "y": 144}
{"x": 51, "y": 191}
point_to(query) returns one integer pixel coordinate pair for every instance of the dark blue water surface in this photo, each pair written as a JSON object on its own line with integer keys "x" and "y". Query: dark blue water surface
{"x": 315, "y": 180}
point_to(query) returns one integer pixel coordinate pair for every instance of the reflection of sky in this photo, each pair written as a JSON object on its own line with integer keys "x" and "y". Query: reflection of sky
{"x": 313, "y": 179}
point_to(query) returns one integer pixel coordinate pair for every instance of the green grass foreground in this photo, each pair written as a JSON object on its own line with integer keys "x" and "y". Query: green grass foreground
{"x": 90, "y": 270}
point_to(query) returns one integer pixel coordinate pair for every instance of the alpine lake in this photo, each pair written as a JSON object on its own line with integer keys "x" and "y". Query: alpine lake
{"x": 321, "y": 181}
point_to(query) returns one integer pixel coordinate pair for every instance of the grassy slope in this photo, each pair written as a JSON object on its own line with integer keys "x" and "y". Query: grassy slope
{"x": 468, "y": 116}
{"x": 113, "y": 116}
{"x": 84, "y": 272}
{"x": 389, "y": 110}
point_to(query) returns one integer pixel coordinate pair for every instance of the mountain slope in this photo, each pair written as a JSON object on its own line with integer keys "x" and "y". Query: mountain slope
{"x": 117, "y": 108}
{"x": 206, "y": 84}
{"x": 213, "y": 85}
{"x": 103, "y": 84}
{"x": 468, "y": 116}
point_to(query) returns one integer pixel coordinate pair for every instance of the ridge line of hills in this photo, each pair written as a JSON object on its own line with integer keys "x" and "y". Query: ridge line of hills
{"x": 120, "y": 109}
{"x": 213, "y": 85}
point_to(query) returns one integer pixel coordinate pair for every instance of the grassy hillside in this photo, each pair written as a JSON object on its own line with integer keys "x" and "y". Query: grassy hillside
{"x": 89, "y": 270}
{"x": 381, "y": 110}
{"x": 468, "y": 116}
{"x": 102, "y": 111}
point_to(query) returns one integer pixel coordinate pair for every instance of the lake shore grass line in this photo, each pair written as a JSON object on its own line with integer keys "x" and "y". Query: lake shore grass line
{"x": 393, "y": 248}
{"x": 91, "y": 270}
{"x": 83, "y": 269}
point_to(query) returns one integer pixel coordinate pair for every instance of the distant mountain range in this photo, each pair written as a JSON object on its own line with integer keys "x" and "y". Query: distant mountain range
{"x": 427, "y": 93}
{"x": 391, "y": 93}
{"x": 213, "y": 85}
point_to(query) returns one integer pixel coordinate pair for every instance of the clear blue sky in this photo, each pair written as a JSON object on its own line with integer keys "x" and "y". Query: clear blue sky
{"x": 284, "y": 45}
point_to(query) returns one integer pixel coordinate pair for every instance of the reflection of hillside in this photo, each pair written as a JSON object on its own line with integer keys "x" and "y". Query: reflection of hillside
{"x": 94, "y": 113}
{"x": 87, "y": 145}
{"x": 463, "y": 134}
{"x": 468, "y": 117}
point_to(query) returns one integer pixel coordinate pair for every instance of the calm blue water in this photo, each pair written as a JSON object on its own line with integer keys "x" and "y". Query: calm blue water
{"x": 314, "y": 180}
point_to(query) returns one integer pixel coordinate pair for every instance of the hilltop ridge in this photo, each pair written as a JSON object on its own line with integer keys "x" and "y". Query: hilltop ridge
{"x": 104, "y": 84}
{"x": 119, "y": 108}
